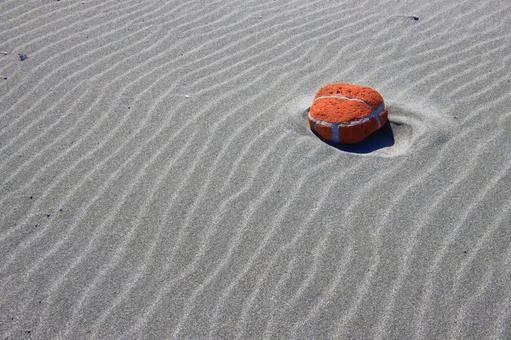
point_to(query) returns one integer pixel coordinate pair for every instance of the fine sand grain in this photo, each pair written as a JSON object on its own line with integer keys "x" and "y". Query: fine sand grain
{"x": 158, "y": 178}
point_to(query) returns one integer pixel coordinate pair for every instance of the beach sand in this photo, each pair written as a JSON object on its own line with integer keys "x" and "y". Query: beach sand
{"x": 158, "y": 178}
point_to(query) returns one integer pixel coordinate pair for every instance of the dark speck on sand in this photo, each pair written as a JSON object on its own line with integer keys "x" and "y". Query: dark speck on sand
{"x": 23, "y": 56}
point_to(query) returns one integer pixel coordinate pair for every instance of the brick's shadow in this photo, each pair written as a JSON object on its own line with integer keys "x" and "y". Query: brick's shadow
{"x": 381, "y": 138}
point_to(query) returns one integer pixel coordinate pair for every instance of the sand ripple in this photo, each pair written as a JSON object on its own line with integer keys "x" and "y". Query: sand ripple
{"x": 158, "y": 179}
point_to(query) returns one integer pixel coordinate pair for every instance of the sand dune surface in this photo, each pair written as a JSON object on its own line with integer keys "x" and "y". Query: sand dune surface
{"x": 158, "y": 178}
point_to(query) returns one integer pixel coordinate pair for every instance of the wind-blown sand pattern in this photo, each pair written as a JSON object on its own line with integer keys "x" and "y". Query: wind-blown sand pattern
{"x": 158, "y": 178}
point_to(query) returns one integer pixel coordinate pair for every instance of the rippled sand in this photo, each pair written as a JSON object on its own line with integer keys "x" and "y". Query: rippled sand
{"x": 158, "y": 179}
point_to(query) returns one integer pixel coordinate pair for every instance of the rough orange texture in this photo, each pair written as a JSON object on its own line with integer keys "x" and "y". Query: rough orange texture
{"x": 324, "y": 132}
{"x": 337, "y": 110}
{"x": 347, "y": 113}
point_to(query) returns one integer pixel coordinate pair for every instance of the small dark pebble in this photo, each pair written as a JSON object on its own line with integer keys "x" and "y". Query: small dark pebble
{"x": 31, "y": 197}
{"x": 415, "y": 18}
{"x": 48, "y": 215}
{"x": 28, "y": 332}
{"x": 464, "y": 252}
{"x": 23, "y": 56}
{"x": 5, "y": 78}
{"x": 60, "y": 209}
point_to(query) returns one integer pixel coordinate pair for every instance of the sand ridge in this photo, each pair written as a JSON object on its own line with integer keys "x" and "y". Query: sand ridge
{"x": 158, "y": 179}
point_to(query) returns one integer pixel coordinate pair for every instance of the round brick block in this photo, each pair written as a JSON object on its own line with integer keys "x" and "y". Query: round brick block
{"x": 346, "y": 113}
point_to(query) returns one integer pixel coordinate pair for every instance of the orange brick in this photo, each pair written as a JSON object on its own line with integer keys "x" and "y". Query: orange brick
{"x": 347, "y": 113}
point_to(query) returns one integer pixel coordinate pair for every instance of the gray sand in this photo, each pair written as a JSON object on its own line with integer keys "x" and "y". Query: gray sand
{"x": 158, "y": 179}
